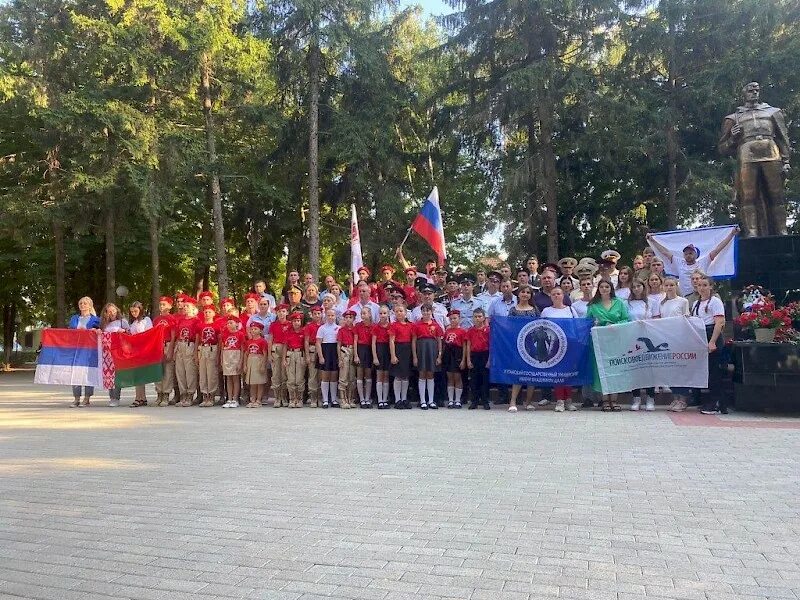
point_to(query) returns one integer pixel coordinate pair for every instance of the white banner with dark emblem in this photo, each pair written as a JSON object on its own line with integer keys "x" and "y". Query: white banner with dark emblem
{"x": 657, "y": 352}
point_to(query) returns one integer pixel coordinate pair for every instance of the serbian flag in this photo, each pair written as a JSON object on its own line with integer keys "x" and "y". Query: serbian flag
{"x": 356, "y": 260}
{"x": 70, "y": 357}
{"x": 137, "y": 358}
{"x": 429, "y": 225}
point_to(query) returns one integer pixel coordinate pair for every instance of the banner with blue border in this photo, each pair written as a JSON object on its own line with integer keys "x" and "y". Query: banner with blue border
{"x": 541, "y": 352}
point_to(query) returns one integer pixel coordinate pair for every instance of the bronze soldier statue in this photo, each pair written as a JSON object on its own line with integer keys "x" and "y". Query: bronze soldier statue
{"x": 757, "y": 133}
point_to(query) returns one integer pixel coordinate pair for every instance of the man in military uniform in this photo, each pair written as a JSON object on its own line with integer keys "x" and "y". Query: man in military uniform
{"x": 567, "y": 267}
{"x": 757, "y": 133}
{"x": 467, "y": 302}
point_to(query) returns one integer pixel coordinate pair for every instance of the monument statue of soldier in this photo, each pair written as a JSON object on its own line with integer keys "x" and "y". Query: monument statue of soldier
{"x": 757, "y": 133}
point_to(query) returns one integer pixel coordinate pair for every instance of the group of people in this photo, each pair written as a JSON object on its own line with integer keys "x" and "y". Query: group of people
{"x": 323, "y": 348}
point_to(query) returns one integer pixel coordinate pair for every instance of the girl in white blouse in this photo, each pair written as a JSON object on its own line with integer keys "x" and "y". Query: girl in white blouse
{"x": 139, "y": 322}
{"x": 710, "y": 309}
{"x": 639, "y": 309}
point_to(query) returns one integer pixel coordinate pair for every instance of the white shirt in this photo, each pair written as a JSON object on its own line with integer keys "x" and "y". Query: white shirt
{"x": 118, "y": 325}
{"x": 141, "y": 325}
{"x": 654, "y": 301}
{"x": 327, "y": 333}
{"x": 439, "y": 314}
{"x": 581, "y": 307}
{"x": 685, "y": 271}
{"x": 551, "y": 312}
{"x": 677, "y": 307}
{"x": 374, "y": 308}
{"x": 623, "y": 293}
{"x": 708, "y": 309}
{"x": 638, "y": 310}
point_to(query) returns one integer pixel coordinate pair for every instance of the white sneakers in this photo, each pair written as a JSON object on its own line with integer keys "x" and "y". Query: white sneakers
{"x": 649, "y": 403}
{"x": 231, "y": 404}
{"x": 512, "y": 409}
{"x": 559, "y": 406}
{"x": 113, "y": 402}
{"x": 544, "y": 402}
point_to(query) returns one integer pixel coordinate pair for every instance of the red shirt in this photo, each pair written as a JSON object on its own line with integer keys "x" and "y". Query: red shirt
{"x": 346, "y": 335}
{"x": 455, "y": 336}
{"x": 381, "y": 333}
{"x": 233, "y": 341}
{"x": 244, "y": 318}
{"x": 364, "y": 333}
{"x": 401, "y": 331}
{"x": 168, "y": 322}
{"x": 279, "y": 330}
{"x": 478, "y": 339}
{"x": 310, "y": 331}
{"x": 295, "y": 340}
{"x": 430, "y": 330}
{"x": 256, "y": 346}
{"x": 411, "y": 295}
{"x": 186, "y": 329}
{"x": 209, "y": 333}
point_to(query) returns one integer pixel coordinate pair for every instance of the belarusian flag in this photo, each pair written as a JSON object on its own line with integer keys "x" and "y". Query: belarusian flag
{"x": 137, "y": 358}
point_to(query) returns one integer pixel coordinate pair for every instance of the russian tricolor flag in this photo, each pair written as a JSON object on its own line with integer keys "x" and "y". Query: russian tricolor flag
{"x": 429, "y": 225}
{"x": 70, "y": 357}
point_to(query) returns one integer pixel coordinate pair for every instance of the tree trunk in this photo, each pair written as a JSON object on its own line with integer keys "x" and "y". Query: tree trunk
{"x": 214, "y": 187}
{"x": 313, "y": 153}
{"x": 111, "y": 256}
{"x": 9, "y": 325}
{"x": 671, "y": 130}
{"x": 672, "y": 177}
{"x": 548, "y": 174}
{"x": 201, "y": 267}
{"x": 532, "y": 214}
{"x": 155, "y": 291}
{"x": 60, "y": 274}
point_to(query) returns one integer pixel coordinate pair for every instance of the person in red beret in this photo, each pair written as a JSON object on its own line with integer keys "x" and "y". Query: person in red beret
{"x": 250, "y": 308}
{"x": 387, "y": 282}
{"x": 364, "y": 274}
{"x": 453, "y": 359}
{"x": 345, "y": 338}
{"x": 312, "y": 365}
{"x": 294, "y": 360}
{"x": 232, "y": 343}
{"x": 207, "y": 348}
{"x": 168, "y": 321}
{"x": 205, "y": 299}
{"x": 277, "y": 339}
{"x": 254, "y": 363}
{"x": 185, "y": 347}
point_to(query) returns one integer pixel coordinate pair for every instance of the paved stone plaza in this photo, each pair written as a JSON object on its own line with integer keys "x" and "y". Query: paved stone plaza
{"x": 189, "y": 503}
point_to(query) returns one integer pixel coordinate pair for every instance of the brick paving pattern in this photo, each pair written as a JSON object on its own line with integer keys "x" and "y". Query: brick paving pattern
{"x": 190, "y": 503}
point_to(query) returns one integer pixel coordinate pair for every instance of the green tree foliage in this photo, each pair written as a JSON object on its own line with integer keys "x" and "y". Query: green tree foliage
{"x": 548, "y": 126}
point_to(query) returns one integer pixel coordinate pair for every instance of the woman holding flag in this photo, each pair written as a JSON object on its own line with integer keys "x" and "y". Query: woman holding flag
{"x": 86, "y": 318}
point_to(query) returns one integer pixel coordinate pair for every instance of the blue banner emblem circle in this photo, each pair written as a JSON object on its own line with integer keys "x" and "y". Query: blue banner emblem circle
{"x": 542, "y": 344}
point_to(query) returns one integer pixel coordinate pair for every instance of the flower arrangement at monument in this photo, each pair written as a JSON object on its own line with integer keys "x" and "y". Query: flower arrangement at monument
{"x": 768, "y": 321}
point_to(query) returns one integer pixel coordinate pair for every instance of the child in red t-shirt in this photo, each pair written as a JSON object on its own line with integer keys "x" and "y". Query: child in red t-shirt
{"x": 254, "y": 363}
{"x": 400, "y": 334}
{"x": 310, "y": 331}
{"x": 344, "y": 349}
{"x": 363, "y": 357}
{"x": 453, "y": 359}
{"x": 381, "y": 357}
{"x": 477, "y": 350}
{"x": 426, "y": 352}
{"x": 232, "y": 344}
